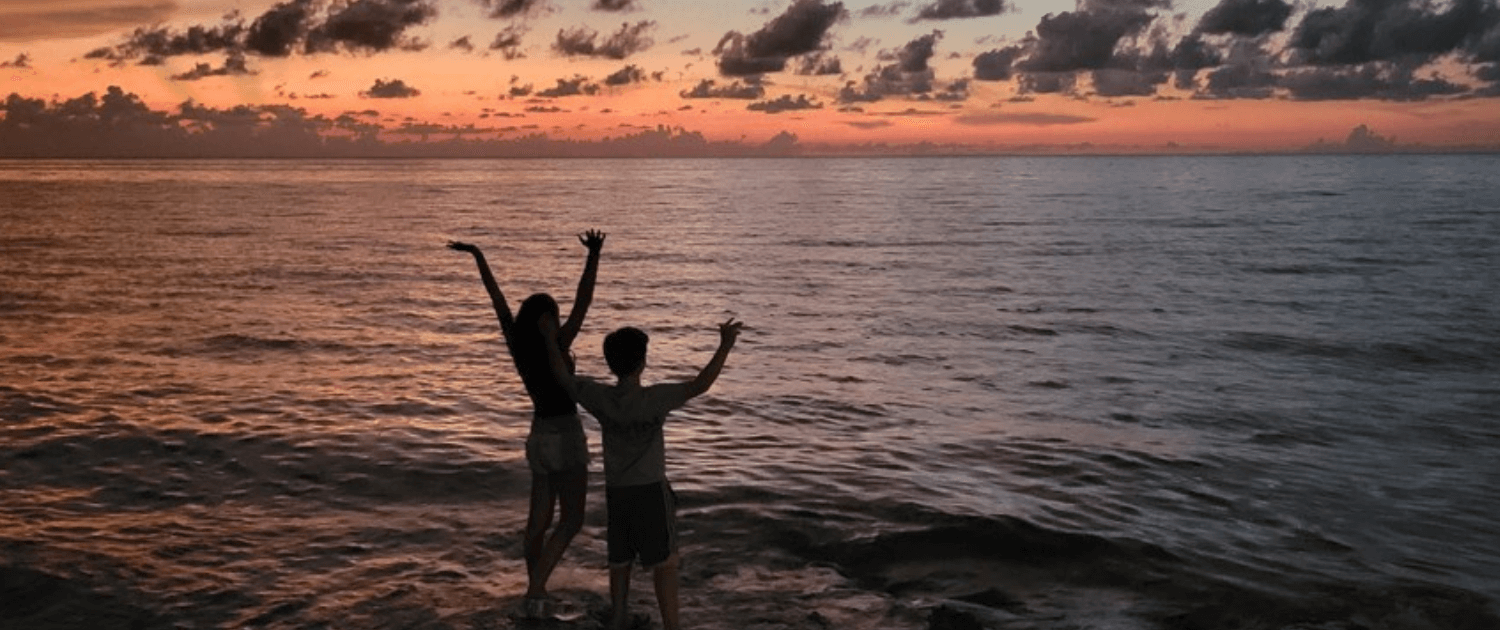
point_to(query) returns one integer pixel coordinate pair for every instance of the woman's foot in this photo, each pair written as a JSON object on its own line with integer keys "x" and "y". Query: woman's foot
{"x": 536, "y": 607}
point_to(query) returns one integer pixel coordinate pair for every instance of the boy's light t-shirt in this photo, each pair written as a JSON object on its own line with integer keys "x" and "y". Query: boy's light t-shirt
{"x": 631, "y": 421}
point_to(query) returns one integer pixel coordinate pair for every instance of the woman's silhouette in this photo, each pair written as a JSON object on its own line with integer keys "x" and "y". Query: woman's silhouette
{"x": 556, "y": 450}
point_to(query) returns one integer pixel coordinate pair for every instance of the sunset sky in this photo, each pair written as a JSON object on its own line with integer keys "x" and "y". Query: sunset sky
{"x": 1143, "y": 75}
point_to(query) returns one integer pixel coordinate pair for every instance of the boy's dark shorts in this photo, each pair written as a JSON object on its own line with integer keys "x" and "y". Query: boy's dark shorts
{"x": 642, "y": 523}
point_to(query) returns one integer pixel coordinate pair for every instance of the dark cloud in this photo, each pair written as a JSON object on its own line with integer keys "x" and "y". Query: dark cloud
{"x": 995, "y": 65}
{"x": 1379, "y": 80}
{"x": 869, "y": 124}
{"x": 576, "y": 86}
{"x": 909, "y": 75}
{"x": 799, "y": 30}
{"x": 508, "y": 41}
{"x": 22, "y": 61}
{"x": 1363, "y": 31}
{"x": 784, "y": 104}
{"x": 462, "y": 43}
{"x": 959, "y": 9}
{"x": 395, "y": 88}
{"x": 1190, "y": 55}
{"x": 819, "y": 63}
{"x": 956, "y": 91}
{"x": 1081, "y": 40}
{"x": 1245, "y": 17}
{"x": 1029, "y": 119}
{"x": 355, "y": 26}
{"x": 913, "y": 57}
{"x": 120, "y": 125}
{"x": 511, "y": 8}
{"x": 1047, "y": 83}
{"x": 707, "y": 88}
{"x": 625, "y": 76}
{"x": 153, "y": 44}
{"x": 583, "y": 41}
{"x": 234, "y": 65}
{"x": 1247, "y": 73}
{"x": 853, "y": 93}
{"x": 34, "y": 21}
{"x": 884, "y": 10}
{"x": 277, "y": 31}
{"x": 1361, "y": 139}
{"x": 1089, "y": 39}
{"x": 1112, "y": 82}
{"x": 371, "y": 26}
{"x": 616, "y": 5}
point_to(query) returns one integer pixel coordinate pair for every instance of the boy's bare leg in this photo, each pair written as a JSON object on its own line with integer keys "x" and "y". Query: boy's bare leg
{"x": 619, "y": 595}
{"x": 665, "y": 576}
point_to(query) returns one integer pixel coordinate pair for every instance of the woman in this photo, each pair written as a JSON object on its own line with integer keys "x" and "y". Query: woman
{"x": 556, "y": 450}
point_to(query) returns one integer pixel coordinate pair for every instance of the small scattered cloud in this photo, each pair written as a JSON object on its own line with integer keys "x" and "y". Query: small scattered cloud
{"x": 1027, "y": 119}
{"x": 785, "y": 103}
{"x": 708, "y": 88}
{"x": 891, "y": 9}
{"x": 616, "y": 6}
{"x": 507, "y": 42}
{"x": 234, "y": 65}
{"x": 504, "y": 9}
{"x": 21, "y": 62}
{"x": 395, "y": 88}
{"x": 576, "y": 86}
{"x": 584, "y": 41}
{"x": 625, "y": 76}
{"x": 820, "y": 63}
{"x": 960, "y": 9}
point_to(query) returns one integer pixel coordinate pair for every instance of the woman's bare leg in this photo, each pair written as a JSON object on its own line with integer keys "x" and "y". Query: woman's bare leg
{"x": 543, "y": 496}
{"x": 571, "y": 491}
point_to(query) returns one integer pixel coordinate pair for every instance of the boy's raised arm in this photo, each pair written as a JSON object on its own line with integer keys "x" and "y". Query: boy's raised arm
{"x": 594, "y": 241}
{"x": 502, "y": 310}
{"x": 728, "y": 332}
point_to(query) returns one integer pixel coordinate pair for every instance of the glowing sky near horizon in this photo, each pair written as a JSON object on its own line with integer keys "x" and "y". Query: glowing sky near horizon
{"x": 1036, "y": 73}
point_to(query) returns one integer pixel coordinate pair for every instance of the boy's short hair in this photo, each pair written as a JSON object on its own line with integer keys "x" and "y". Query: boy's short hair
{"x": 625, "y": 350}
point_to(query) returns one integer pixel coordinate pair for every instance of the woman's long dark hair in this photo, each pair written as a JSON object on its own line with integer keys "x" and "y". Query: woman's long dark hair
{"x": 530, "y": 355}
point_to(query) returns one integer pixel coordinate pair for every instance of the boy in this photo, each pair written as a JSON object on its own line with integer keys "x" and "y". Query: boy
{"x": 639, "y": 501}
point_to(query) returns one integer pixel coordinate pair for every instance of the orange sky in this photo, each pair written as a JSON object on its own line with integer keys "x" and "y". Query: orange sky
{"x": 1277, "y": 77}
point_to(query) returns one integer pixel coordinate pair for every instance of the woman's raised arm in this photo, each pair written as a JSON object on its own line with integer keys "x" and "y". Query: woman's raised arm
{"x": 502, "y": 310}
{"x": 594, "y": 241}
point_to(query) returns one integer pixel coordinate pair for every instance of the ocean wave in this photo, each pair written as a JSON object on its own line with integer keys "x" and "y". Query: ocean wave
{"x": 1010, "y": 569}
{"x": 1418, "y": 355}
{"x": 141, "y": 469}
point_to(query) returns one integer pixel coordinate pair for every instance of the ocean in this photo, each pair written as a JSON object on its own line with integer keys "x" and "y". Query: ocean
{"x": 1125, "y": 393}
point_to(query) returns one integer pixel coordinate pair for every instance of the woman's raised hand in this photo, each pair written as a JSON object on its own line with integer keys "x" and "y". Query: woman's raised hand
{"x": 729, "y": 331}
{"x": 462, "y": 247}
{"x": 592, "y": 239}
